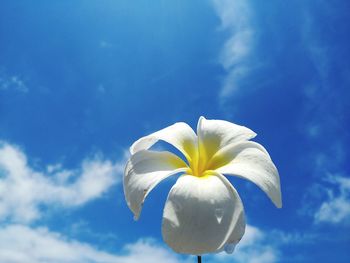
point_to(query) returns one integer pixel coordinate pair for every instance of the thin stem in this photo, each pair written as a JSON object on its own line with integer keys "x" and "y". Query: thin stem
{"x": 199, "y": 259}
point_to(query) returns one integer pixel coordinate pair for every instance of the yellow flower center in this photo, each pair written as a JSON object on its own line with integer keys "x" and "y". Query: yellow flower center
{"x": 199, "y": 163}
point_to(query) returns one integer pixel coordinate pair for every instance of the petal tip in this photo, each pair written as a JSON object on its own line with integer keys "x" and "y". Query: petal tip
{"x": 199, "y": 123}
{"x": 132, "y": 148}
{"x": 201, "y": 118}
{"x": 278, "y": 203}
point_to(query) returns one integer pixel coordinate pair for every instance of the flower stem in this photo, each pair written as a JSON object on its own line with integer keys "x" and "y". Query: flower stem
{"x": 199, "y": 259}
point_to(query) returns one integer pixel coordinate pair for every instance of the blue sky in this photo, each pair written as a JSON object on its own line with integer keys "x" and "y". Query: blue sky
{"x": 80, "y": 81}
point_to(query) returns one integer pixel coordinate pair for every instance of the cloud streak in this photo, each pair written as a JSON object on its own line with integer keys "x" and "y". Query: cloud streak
{"x": 24, "y": 191}
{"x": 19, "y": 243}
{"x": 327, "y": 201}
{"x": 336, "y": 208}
{"x": 235, "y": 19}
{"x": 12, "y": 82}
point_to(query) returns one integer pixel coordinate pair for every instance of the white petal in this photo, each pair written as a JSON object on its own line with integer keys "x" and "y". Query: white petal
{"x": 238, "y": 230}
{"x": 215, "y": 134}
{"x": 250, "y": 160}
{"x": 143, "y": 171}
{"x": 200, "y": 214}
{"x": 180, "y": 135}
{"x": 236, "y": 235}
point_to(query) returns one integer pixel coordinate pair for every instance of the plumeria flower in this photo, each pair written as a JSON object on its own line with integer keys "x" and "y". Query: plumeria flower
{"x": 203, "y": 212}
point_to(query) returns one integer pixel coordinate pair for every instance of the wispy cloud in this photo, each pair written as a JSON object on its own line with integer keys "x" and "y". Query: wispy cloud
{"x": 13, "y": 82}
{"x": 325, "y": 107}
{"x": 328, "y": 201}
{"x": 267, "y": 246}
{"x": 19, "y": 243}
{"x": 235, "y": 19}
{"x": 25, "y": 190}
{"x": 324, "y": 104}
{"x": 336, "y": 208}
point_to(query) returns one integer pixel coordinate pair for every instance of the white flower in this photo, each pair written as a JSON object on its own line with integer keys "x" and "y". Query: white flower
{"x": 203, "y": 212}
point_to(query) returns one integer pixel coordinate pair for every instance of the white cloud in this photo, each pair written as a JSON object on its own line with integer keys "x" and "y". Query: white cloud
{"x": 235, "y": 19}
{"x": 294, "y": 237}
{"x": 336, "y": 208}
{"x": 24, "y": 191}
{"x": 325, "y": 94}
{"x": 12, "y": 82}
{"x": 255, "y": 247}
{"x": 260, "y": 246}
{"x": 19, "y": 244}
{"x": 328, "y": 200}
{"x": 149, "y": 252}
{"x": 318, "y": 51}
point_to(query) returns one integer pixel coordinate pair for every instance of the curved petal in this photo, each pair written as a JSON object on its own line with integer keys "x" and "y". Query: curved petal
{"x": 143, "y": 171}
{"x": 215, "y": 134}
{"x": 250, "y": 160}
{"x": 238, "y": 229}
{"x": 236, "y": 234}
{"x": 180, "y": 135}
{"x": 200, "y": 214}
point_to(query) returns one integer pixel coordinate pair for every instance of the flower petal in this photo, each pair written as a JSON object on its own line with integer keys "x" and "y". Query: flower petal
{"x": 250, "y": 160}
{"x": 236, "y": 234}
{"x": 180, "y": 135}
{"x": 215, "y": 134}
{"x": 143, "y": 171}
{"x": 200, "y": 214}
{"x": 238, "y": 230}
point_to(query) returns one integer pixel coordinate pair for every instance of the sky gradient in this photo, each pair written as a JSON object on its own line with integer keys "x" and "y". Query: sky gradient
{"x": 80, "y": 81}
